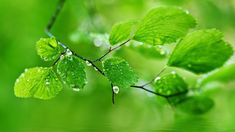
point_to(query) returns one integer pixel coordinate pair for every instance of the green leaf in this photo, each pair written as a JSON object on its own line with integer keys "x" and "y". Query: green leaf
{"x": 170, "y": 84}
{"x": 119, "y": 72}
{"x": 122, "y": 31}
{"x": 71, "y": 70}
{"x": 164, "y": 25}
{"x": 201, "y": 51}
{"x": 48, "y": 49}
{"x": 38, "y": 82}
{"x": 224, "y": 74}
{"x": 196, "y": 105}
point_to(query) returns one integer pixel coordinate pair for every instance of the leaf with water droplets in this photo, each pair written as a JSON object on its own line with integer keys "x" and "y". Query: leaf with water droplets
{"x": 201, "y": 51}
{"x": 48, "y": 49}
{"x": 71, "y": 70}
{"x": 164, "y": 25}
{"x": 196, "y": 105}
{"x": 122, "y": 31}
{"x": 119, "y": 72}
{"x": 38, "y": 82}
{"x": 170, "y": 84}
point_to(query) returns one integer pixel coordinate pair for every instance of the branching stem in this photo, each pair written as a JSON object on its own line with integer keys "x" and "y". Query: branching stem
{"x": 110, "y": 50}
{"x": 48, "y": 32}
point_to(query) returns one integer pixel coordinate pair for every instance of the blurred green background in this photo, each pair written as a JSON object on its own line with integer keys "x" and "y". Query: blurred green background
{"x": 22, "y": 23}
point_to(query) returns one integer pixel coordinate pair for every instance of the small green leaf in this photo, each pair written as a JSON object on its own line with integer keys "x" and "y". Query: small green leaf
{"x": 38, "y": 82}
{"x": 122, "y": 31}
{"x": 196, "y": 105}
{"x": 71, "y": 70}
{"x": 48, "y": 49}
{"x": 119, "y": 72}
{"x": 170, "y": 84}
{"x": 164, "y": 25}
{"x": 224, "y": 74}
{"x": 201, "y": 51}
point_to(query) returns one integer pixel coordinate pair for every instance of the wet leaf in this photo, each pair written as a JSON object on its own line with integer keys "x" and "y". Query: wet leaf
{"x": 48, "y": 49}
{"x": 72, "y": 71}
{"x": 119, "y": 72}
{"x": 170, "y": 84}
{"x": 38, "y": 82}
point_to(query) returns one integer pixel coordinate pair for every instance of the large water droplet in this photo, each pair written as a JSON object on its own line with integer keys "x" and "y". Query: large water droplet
{"x": 68, "y": 52}
{"x": 116, "y": 89}
{"x": 88, "y": 63}
{"x": 156, "y": 79}
{"x": 173, "y": 72}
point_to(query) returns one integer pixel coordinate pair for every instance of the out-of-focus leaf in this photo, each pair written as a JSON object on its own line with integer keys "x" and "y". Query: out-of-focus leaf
{"x": 196, "y": 105}
{"x": 224, "y": 74}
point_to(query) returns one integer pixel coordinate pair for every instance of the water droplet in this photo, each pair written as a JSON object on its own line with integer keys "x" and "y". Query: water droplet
{"x": 47, "y": 83}
{"x": 68, "y": 52}
{"x": 88, "y": 63}
{"x": 62, "y": 57}
{"x": 189, "y": 65}
{"x": 156, "y": 79}
{"x": 95, "y": 69}
{"x": 116, "y": 89}
{"x": 173, "y": 72}
{"x": 76, "y": 89}
{"x": 25, "y": 70}
{"x": 17, "y": 80}
{"x": 162, "y": 52}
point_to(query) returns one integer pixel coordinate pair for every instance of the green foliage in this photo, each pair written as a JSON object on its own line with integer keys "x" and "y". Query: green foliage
{"x": 201, "y": 51}
{"x": 122, "y": 31}
{"x": 38, "y": 82}
{"x": 164, "y": 25}
{"x": 196, "y": 105}
{"x": 119, "y": 72}
{"x": 71, "y": 70}
{"x": 48, "y": 49}
{"x": 224, "y": 74}
{"x": 170, "y": 84}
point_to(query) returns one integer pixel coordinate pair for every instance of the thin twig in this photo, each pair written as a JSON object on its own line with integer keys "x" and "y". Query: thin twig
{"x": 151, "y": 81}
{"x": 165, "y": 96}
{"x": 110, "y": 50}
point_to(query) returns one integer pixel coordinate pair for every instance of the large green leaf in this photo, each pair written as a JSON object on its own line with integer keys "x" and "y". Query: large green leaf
{"x": 38, "y": 82}
{"x": 48, "y": 49}
{"x": 119, "y": 72}
{"x": 164, "y": 25}
{"x": 196, "y": 105}
{"x": 170, "y": 84}
{"x": 201, "y": 51}
{"x": 71, "y": 70}
{"x": 224, "y": 74}
{"x": 122, "y": 31}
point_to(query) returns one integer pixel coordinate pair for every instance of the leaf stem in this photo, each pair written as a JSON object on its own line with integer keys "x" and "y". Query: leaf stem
{"x": 111, "y": 50}
{"x": 151, "y": 81}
